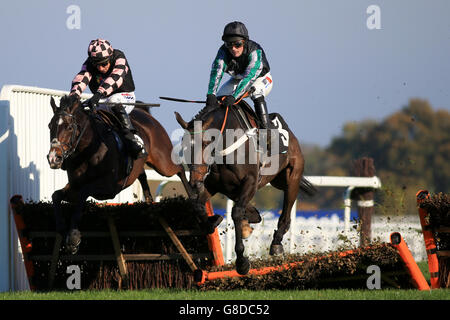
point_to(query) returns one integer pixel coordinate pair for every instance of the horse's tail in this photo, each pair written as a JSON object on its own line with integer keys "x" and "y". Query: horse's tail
{"x": 307, "y": 187}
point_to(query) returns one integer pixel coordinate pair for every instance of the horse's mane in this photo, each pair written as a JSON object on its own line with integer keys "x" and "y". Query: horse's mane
{"x": 201, "y": 115}
{"x": 68, "y": 101}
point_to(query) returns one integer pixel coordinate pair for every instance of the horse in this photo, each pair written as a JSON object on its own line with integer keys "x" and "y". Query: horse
{"x": 86, "y": 145}
{"x": 240, "y": 181}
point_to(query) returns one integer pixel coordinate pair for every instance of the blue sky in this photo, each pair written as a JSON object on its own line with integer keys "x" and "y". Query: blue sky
{"x": 328, "y": 67}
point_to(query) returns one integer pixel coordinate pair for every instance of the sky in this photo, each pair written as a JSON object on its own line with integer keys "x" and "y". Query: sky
{"x": 332, "y": 61}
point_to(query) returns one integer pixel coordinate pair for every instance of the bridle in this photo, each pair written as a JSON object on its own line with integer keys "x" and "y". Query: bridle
{"x": 197, "y": 167}
{"x": 67, "y": 149}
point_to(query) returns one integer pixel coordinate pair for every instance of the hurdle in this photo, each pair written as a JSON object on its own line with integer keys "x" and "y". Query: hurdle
{"x": 49, "y": 244}
{"x": 410, "y": 264}
{"x": 433, "y": 213}
{"x": 216, "y": 275}
{"x": 411, "y": 270}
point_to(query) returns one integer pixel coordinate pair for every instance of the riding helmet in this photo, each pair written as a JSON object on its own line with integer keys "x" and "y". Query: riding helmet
{"x": 235, "y": 31}
{"x": 99, "y": 51}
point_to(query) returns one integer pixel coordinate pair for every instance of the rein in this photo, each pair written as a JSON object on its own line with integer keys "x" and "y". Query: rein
{"x": 226, "y": 112}
{"x": 195, "y": 167}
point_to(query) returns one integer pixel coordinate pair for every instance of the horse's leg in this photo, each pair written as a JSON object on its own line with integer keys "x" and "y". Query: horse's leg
{"x": 182, "y": 175}
{"x": 57, "y": 197}
{"x": 206, "y": 191}
{"x": 238, "y": 214}
{"x": 145, "y": 187}
{"x": 79, "y": 197}
{"x": 207, "y": 223}
{"x": 284, "y": 222}
{"x": 73, "y": 238}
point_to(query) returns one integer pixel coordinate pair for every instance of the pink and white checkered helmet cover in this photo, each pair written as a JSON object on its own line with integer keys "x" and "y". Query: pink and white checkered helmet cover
{"x": 100, "y": 49}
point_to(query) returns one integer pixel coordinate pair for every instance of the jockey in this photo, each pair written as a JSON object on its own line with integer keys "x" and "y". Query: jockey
{"x": 108, "y": 75}
{"x": 246, "y": 62}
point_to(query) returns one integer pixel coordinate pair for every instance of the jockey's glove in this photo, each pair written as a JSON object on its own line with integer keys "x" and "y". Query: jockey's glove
{"x": 228, "y": 101}
{"x": 93, "y": 102}
{"x": 211, "y": 100}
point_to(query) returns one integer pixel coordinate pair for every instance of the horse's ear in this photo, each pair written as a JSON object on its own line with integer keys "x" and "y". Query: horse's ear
{"x": 180, "y": 120}
{"x": 53, "y": 104}
{"x": 74, "y": 102}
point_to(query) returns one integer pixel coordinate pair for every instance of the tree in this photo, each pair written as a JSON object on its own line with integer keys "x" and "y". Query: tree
{"x": 410, "y": 149}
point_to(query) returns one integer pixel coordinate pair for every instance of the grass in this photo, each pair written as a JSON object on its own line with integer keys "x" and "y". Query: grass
{"x": 168, "y": 294}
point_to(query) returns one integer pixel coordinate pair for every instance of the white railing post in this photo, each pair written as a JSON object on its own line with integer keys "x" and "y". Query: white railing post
{"x": 347, "y": 208}
{"x": 292, "y": 230}
{"x": 229, "y": 234}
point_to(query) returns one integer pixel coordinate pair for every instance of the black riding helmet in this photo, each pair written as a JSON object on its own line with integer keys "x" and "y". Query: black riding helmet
{"x": 235, "y": 31}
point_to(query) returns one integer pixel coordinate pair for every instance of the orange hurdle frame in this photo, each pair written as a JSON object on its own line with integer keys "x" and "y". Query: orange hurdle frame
{"x": 213, "y": 240}
{"x": 15, "y": 202}
{"x": 411, "y": 265}
{"x": 209, "y": 276}
{"x": 430, "y": 244}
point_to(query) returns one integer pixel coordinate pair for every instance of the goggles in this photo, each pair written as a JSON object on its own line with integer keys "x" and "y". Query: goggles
{"x": 235, "y": 44}
{"x": 100, "y": 63}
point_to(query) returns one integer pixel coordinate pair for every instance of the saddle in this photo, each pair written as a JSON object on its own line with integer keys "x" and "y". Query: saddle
{"x": 112, "y": 125}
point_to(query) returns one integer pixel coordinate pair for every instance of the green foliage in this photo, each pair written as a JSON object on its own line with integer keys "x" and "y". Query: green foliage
{"x": 410, "y": 149}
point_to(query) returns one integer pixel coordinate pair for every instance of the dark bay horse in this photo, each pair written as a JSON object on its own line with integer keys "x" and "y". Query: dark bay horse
{"x": 240, "y": 181}
{"x": 96, "y": 162}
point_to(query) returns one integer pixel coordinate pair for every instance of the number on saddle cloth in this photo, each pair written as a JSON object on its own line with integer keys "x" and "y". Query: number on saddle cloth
{"x": 244, "y": 113}
{"x": 278, "y": 123}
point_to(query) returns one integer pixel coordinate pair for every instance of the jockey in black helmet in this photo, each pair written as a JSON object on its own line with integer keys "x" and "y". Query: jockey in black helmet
{"x": 246, "y": 62}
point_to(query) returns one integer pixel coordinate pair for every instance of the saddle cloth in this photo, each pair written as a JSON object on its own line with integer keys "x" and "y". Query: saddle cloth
{"x": 277, "y": 128}
{"x": 113, "y": 125}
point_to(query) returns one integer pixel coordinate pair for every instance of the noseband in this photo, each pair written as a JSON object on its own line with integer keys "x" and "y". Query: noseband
{"x": 67, "y": 149}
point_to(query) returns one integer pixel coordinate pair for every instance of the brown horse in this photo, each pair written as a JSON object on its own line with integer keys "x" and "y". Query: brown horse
{"x": 240, "y": 181}
{"x": 96, "y": 162}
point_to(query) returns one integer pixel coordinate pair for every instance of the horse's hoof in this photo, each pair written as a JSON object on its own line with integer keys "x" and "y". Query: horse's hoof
{"x": 73, "y": 241}
{"x": 246, "y": 229}
{"x": 242, "y": 266}
{"x": 276, "y": 249}
{"x": 213, "y": 223}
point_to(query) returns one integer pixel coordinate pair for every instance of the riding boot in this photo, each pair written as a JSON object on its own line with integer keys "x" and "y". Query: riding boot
{"x": 134, "y": 145}
{"x": 261, "y": 112}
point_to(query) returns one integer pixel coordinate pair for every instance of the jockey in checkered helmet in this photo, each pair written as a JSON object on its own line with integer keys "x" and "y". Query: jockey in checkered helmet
{"x": 99, "y": 51}
{"x": 108, "y": 75}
